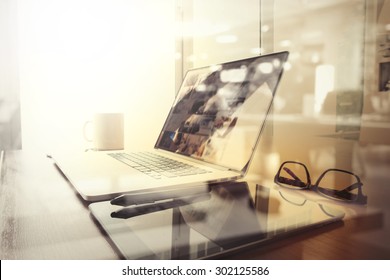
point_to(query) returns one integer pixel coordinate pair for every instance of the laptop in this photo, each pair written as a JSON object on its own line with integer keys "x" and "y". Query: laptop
{"x": 209, "y": 135}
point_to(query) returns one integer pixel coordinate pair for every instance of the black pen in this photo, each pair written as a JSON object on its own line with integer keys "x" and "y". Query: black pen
{"x": 151, "y": 197}
{"x": 132, "y": 211}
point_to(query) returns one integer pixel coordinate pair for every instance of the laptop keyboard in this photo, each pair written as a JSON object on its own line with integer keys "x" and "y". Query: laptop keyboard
{"x": 157, "y": 166}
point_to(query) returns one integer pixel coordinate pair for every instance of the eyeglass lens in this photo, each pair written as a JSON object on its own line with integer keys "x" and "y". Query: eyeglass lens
{"x": 336, "y": 183}
{"x": 293, "y": 175}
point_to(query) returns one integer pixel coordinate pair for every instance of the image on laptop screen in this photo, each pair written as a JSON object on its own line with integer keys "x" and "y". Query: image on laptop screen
{"x": 220, "y": 110}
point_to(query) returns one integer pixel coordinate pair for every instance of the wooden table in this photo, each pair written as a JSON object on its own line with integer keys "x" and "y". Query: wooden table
{"x": 42, "y": 217}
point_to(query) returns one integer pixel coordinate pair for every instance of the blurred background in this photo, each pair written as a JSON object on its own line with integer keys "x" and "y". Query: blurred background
{"x": 62, "y": 61}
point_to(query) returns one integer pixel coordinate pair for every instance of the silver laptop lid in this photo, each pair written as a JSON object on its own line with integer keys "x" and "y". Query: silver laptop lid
{"x": 219, "y": 111}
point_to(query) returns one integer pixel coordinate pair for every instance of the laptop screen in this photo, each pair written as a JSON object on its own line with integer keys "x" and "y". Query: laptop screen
{"x": 220, "y": 110}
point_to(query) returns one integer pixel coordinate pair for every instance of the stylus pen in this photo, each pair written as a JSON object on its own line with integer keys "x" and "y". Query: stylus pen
{"x": 129, "y": 212}
{"x": 150, "y": 197}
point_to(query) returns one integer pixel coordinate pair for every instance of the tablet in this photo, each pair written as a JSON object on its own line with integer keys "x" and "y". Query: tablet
{"x": 225, "y": 219}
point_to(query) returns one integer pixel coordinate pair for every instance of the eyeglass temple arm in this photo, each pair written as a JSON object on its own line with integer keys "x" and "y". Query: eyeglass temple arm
{"x": 292, "y": 174}
{"x": 357, "y": 185}
{"x": 347, "y": 190}
{"x": 360, "y": 195}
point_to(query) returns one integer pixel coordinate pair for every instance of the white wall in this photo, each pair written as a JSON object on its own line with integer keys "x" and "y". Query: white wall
{"x": 78, "y": 57}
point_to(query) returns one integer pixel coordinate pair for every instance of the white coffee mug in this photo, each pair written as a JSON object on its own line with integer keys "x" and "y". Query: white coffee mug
{"x": 107, "y": 131}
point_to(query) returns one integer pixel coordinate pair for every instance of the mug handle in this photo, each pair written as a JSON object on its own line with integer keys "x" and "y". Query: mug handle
{"x": 86, "y": 124}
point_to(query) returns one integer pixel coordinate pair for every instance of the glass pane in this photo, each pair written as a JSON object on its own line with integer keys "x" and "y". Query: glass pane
{"x": 317, "y": 109}
{"x": 325, "y": 39}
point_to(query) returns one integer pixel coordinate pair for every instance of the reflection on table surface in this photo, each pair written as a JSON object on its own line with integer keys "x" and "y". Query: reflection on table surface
{"x": 226, "y": 219}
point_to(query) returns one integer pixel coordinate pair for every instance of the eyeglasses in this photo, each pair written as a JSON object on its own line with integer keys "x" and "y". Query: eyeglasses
{"x": 336, "y": 184}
